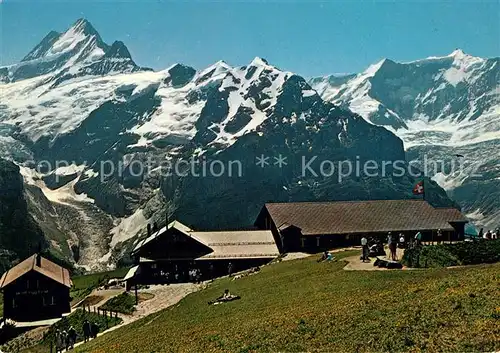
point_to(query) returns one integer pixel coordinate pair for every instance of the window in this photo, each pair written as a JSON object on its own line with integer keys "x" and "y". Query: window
{"x": 37, "y": 283}
{"x": 52, "y": 300}
{"x": 28, "y": 284}
{"x": 44, "y": 301}
{"x": 303, "y": 242}
{"x": 13, "y": 303}
{"x": 317, "y": 241}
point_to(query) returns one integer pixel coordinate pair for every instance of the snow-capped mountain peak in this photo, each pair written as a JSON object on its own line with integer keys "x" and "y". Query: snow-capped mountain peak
{"x": 457, "y": 53}
{"x": 80, "y": 34}
{"x": 79, "y": 51}
{"x": 81, "y": 31}
{"x": 258, "y": 61}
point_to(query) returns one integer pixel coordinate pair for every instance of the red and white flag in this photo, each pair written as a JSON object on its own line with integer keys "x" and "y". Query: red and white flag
{"x": 419, "y": 188}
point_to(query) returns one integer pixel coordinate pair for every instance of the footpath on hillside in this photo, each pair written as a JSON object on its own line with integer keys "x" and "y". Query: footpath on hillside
{"x": 164, "y": 296}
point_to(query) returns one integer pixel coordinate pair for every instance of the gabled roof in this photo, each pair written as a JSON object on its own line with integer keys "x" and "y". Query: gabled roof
{"x": 172, "y": 225}
{"x": 238, "y": 244}
{"x": 224, "y": 244}
{"x": 316, "y": 218}
{"x": 47, "y": 268}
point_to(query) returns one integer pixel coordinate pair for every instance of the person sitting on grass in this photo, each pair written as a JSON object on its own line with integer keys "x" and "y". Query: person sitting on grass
{"x": 326, "y": 256}
{"x": 323, "y": 257}
{"x": 225, "y": 297}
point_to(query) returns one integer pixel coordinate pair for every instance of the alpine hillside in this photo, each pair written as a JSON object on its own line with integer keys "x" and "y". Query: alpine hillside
{"x": 76, "y": 99}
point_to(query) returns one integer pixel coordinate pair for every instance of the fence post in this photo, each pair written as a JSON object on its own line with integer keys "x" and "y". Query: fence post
{"x": 94, "y": 309}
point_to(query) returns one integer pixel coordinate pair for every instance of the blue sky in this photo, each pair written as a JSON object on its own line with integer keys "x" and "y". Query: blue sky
{"x": 310, "y": 38}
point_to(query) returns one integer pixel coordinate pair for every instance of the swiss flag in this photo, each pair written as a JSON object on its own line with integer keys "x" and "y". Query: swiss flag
{"x": 419, "y": 188}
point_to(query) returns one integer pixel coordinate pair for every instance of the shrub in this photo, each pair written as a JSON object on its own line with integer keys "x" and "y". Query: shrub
{"x": 444, "y": 255}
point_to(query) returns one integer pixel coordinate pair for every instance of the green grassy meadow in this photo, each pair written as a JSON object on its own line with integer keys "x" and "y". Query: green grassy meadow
{"x": 123, "y": 303}
{"x": 83, "y": 285}
{"x": 302, "y": 305}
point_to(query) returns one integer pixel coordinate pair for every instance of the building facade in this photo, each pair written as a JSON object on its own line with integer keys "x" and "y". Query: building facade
{"x": 169, "y": 254}
{"x": 318, "y": 226}
{"x": 36, "y": 289}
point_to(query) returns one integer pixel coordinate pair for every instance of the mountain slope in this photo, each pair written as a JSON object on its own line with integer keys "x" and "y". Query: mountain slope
{"x": 15, "y": 219}
{"x": 310, "y": 314}
{"x": 440, "y": 107}
{"x": 122, "y": 131}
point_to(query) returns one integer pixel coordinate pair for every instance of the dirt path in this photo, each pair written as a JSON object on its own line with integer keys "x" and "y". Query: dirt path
{"x": 164, "y": 296}
{"x": 355, "y": 264}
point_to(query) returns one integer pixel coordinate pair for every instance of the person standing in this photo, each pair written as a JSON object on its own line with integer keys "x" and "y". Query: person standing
{"x": 230, "y": 269}
{"x": 94, "y": 329}
{"x": 439, "y": 236}
{"x": 65, "y": 340}
{"x": 72, "y": 337}
{"x": 402, "y": 240}
{"x": 364, "y": 246}
{"x": 59, "y": 341}
{"x": 86, "y": 330}
{"x": 418, "y": 239}
{"x": 211, "y": 271}
{"x": 389, "y": 244}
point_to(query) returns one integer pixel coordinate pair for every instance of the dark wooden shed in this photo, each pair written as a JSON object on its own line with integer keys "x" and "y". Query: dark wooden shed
{"x": 36, "y": 289}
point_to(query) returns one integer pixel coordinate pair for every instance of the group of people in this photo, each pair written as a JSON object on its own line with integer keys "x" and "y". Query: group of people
{"x": 191, "y": 273}
{"x": 195, "y": 275}
{"x": 326, "y": 256}
{"x": 375, "y": 247}
{"x": 90, "y": 330}
{"x": 65, "y": 340}
{"x": 490, "y": 234}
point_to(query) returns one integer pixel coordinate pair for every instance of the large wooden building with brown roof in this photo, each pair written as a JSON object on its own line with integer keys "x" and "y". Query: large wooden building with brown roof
{"x": 35, "y": 289}
{"x": 168, "y": 254}
{"x": 315, "y": 226}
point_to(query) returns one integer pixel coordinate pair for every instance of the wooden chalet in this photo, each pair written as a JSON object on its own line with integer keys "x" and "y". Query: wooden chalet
{"x": 317, "y": 226}
{"x": 168, "y": 254}
{"x": 36, "y": 289}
